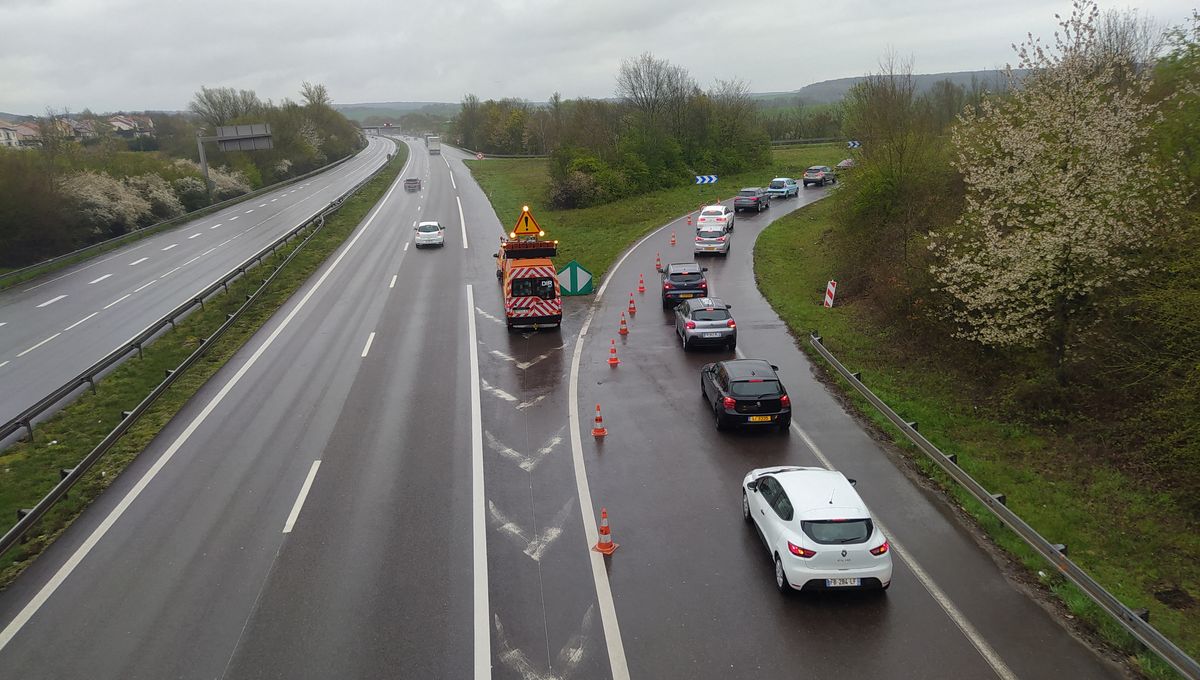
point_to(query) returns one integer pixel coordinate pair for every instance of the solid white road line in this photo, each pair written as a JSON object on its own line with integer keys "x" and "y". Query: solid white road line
{"x": 452, "y": 182}
{"x": 216, "y": 225}
{"x": 295, "y": 513}
{"x": 138, "y": 261}
{"x": 367, "y": 347}
{"x": 194, "y": 236}
{"x": 114, "y": 302}
{"x": 483, "y": 636}
{"x": 394, "y": 276}
{"x": 77, "y": 322}
{"x": 38, "y": 345}
{"x": 173, "y": 245}
{"x": 462, "y": 220}
{"x": 144, "y": 285}
{"x": 51, "y": 301}
{"x": 18, "y": 622}
{"x": 99, "y": 279}
{"x": 973, "y": 636}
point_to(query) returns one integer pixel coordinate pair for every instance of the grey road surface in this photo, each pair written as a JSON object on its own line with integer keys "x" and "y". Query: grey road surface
{"x": 316, "y": 510}
{"x": 54, "y": 327}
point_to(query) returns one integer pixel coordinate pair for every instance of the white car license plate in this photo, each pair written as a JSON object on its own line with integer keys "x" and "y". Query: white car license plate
{"x": 712, "y": 335}
{"x": 842, "y": 582}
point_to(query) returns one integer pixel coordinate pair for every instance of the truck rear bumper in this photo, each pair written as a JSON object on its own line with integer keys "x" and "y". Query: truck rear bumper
{"x": 530, "y": 321}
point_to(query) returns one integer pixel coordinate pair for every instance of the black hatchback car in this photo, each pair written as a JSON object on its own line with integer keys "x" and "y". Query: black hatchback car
{"x": 745, "y": 392}
{"x": 683, "y": 281}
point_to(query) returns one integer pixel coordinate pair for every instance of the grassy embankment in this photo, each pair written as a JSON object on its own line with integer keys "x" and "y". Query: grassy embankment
{"x": 1128, "y": 537}
{"x": 28, "y": 470}
{"x": 596, "y": 236}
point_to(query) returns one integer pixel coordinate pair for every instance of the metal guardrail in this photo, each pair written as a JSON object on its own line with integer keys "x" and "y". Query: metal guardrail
{"x": 801, "y": 142}
{"x": 30, "y": 517}
{"x": 152, "y": 229}
{"x": 1055, "y": 554}
{"x": 497, "y": 155}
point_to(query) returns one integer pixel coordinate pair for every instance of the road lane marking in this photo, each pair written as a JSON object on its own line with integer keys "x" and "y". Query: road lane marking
{"x": 170, "y": 272}
{"x": 274, "y": 199}
{"x": 295, "y": 513}
{"x": 521, "y": 405}
{"x": 406, "y": 245}
{"x": 3, "y": 364}
{"x": 249, "y": 211}
{"x": 55, "y": 582}
{"x": 99, "y": 279}
{"x": 3, "y": 323}
{"x": 533, "y": 547}
{"x": 97, "y": 263}
{"x": 452, "y": 183}
{"x": 234, "y": 217}
{"x": 462, "y": 220}
{"x": 262, "y": 205}
{"x": 173, "y": 245}
{"x": 144, "y": 285}
{"x": 77, "y": 322}
{"x": 526, "y": 463}
{"x": 367, "y": 348}
{"x": 114, "y": 302}
{"x": 138, "y": 261}
{"x": 51, "y": 301}
{"x": 490, "y": 317}
{"x": 482, "y": 635}
{"x": 193, "y": 236}
{"x": 973, "y": 636}
{"x": 393, "y": 283}
{"x": 38, "y": 345}
{"x": 216, "y": 225}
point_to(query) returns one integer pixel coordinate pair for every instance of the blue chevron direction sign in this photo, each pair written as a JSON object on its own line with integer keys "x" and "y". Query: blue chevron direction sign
{"x": 706, "y": 179}
{"x": 853, "y": 144}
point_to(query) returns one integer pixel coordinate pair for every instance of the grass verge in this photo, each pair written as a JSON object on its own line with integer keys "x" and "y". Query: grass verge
{"x": 28, "y": 470}
{"x": 596, "y": 236}
{"x": 1129, "y": 538}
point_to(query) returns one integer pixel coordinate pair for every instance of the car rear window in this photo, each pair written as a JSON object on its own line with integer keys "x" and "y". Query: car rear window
{"x": 754, "y": 388}
{"x": 838, "y": 532}
{"x": 426, "y": 228}
{"x": 712, "y": 212}
{"x": 747, "y": 192}
{"x": 686, "y": 277}
{"x": 540, "y": 286}
{"x": 778, "y": 184}
{"x": 815, "y": 170}
{"x": 710, "y": 315}
{"x": 710, "y": 233}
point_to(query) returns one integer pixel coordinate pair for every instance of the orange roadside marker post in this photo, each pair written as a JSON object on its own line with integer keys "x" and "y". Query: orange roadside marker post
{"x": 605, "y": 545}
{"x": 598, "y": 430}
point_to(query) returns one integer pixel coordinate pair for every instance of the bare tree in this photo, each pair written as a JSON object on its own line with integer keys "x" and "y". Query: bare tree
{"x": 221, "y": 105}
{"x": 315, "y": 94}
{"x": 1129, "y": 39}
{"x": 655, "y": 89}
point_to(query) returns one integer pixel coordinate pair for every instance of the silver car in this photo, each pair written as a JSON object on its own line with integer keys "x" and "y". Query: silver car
{"x": 714, "y": 240}
{"x": 430, "y": 234}
{"x": 705, "y": 321}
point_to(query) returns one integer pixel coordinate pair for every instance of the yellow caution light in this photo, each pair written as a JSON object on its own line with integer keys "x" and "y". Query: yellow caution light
{"x": 512, "y": 234}
{"x": 541, "y": 233}
{"x": 524, "y": 208}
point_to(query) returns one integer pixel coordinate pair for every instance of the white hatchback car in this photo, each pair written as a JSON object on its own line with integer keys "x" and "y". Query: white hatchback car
{"x": 430, "y": 234}
{"x": 818, "y": 531}
{"x": 714, "y": 216}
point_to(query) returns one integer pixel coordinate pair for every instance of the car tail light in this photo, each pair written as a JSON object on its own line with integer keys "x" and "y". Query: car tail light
{"x": 881, "y": 549}
{"x": 720, "y": 219}
{"x": 721, "y": 239}
{"x": 691, "y": 325}
{"x": 704, "y": 285}
{"x": 731, "y": 324}
{"x": 800, "y": 552}
{"x": 666, "y": 285}
{"x": 785, "y": 400}
{"x": 728, "y": 402}
{"x": 755, "y": 199}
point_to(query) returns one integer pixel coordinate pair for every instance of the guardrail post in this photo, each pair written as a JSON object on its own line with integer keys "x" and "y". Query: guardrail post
{"x": 1142, "y": 613}
{"x": 911, "y": 423}
{"x": 125, "y": 414}
{"x": 29, "y": 428}
{"x": 169, "y": 371}
{"x": 63, "y": 472}
{"x": 139, "y": 348}
{"x": 199, "y": 300}
{"x": 1061, "y": 548}
{"x": 21, "y": 512}
{"x": 1000, "y": 498}
{"x": 952, "y": 457}
{"x": 857, "y": 375}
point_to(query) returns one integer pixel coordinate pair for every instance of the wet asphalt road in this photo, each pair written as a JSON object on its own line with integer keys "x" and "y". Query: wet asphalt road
{"x": 54, "y": 327}
{"x": 195, "y": 577}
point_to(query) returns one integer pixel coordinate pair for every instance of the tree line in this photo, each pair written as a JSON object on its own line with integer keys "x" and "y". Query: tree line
{"x": 63, "y": 195}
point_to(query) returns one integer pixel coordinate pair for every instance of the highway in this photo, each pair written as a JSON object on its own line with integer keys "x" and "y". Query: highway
{"x": 386, "y": 482}
{"x": 54, "y": 327}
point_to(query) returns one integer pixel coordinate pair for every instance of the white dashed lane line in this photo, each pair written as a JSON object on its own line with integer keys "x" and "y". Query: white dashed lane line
{"x": 249, "y": 211}
{"x": 80, "y": 321}
{"x": 367, "y": 348}
{"x": 144, "y": 285}
{"x": 262, "y": 205}
{"x": 51, "y": 301}
{"x": 234, "y": 217}
{"x": 170, "y": 272}
{"x": 114, "y": 302}
{"x": 274, "y": 199}
{"x": 38, "y": 345}
{"x": 193, "y": 236}
{"x": 173, "y": 245}
{"x": 3, "y": 364}
{"x": 138, "y": 261}
{"x": 99, "y": 279}
{"x": 390, "y": 285}
{"x": 216, "y": 225}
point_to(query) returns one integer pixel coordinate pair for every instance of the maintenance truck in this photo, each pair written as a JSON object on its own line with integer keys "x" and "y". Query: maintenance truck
{"x": 435, "y": 145}
{"x": 532, "y": 296}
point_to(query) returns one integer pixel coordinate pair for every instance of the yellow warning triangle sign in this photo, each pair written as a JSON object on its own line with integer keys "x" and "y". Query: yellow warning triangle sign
{"x": 526, "y": 225}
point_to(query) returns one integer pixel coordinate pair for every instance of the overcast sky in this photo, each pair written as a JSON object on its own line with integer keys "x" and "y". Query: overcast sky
{"x": 110, "y": 55}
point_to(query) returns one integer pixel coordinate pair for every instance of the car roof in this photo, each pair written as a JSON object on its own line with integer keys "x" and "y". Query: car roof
{"x": 705, "y": 303}
{"x": 781, "y": 179}
{"x": 715, "y": 206}
{"x": 816, "y": 167}
{"x": 435, "y": 222}
{"x": 683, "y": 268}
{"x": 749, "y": 368}
{"x": 817, "y": 493}
{"x": 751, "y": 188}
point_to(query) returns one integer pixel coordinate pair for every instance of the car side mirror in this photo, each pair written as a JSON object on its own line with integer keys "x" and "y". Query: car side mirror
{"x": 852, "y": 481}
{"x": 728, "y": 306}
{"x": 774, "y": 367}
{"x": 495, "y": 254}
{"x": 752, "y": 485}
{"x": 704, "y": 269}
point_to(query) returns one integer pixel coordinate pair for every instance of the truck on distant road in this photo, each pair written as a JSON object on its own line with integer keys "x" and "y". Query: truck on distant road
{"x": 435, "y": 145}
{"x": 412, "y": 184}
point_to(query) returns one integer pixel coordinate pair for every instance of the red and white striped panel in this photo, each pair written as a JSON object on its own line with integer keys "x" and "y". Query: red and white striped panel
{"x": 532, "y": 306}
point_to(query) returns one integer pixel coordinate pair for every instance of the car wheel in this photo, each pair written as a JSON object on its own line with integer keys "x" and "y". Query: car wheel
{"x": 687, "y": 346}
{"x": 720, "y": 419}
{"x": 781, "y": 581}
{"x": 746, "y": 507}
{"x": 785, "y": 424}
{"x": 732, "y": 345}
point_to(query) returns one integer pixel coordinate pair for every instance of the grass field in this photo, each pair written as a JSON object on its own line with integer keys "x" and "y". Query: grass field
{"x": 1130, "y": 538}
{"x": 596, "y": 236}
{"x": 30, "y": 469}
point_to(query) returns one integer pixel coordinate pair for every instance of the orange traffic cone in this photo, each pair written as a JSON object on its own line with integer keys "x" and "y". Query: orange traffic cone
{"x": 623, "y": 330}
{"x": 689, "y": 219}
{"x": 632, "y": 306}
{"x": 672, "y": 237}
{"x": 598, "y": 430}
{"x": 605, "y": 545}
{"x": 612, "y": 354}
{"x": 657, "y": 262}
{"x": 641, "y": 284}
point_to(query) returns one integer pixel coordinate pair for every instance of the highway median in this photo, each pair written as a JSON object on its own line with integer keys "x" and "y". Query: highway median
{"x": 28, "y": 470}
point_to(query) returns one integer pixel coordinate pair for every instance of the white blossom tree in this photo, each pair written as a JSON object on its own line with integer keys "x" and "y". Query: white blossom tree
{"x": 1064, "y": 195}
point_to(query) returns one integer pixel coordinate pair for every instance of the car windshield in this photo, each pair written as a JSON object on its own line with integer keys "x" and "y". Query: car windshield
{"x": 685, "y": 277}
{"x": 710, "y": 315}
{"x": 710, "y": 233}
{"x": 748, "y": 192}
{"x": 839, "y": 531}
{"x": 754, "y": 388}
{"x": 778, "y": 184}
{"x": 427, "y": 228}
{"x": 712, "y": 212}
{"x": 541, "y": 286}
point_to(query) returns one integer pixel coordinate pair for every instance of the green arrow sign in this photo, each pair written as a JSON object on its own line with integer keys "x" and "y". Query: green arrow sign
{"x": 575, "y": 280}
